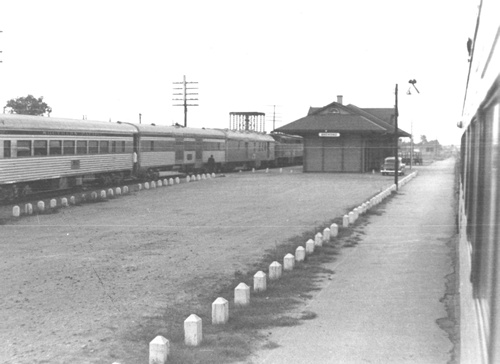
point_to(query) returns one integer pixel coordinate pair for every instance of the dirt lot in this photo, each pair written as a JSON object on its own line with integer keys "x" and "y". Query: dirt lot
{"x": 77, "y": 284}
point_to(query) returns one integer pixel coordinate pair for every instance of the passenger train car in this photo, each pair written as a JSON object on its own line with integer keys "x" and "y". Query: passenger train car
{"x": 289, "y": 149}
{"x": 39, "y": 153}
{"x": 479, "y": 195}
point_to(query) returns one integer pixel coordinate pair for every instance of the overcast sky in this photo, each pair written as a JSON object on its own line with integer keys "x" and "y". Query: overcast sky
{"x": 115, "y": 59}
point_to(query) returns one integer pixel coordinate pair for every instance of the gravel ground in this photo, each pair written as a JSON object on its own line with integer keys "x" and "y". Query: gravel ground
{"x": 77, "y": 282}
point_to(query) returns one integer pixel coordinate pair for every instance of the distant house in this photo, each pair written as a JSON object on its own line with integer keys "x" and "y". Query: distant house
{"x": 345, "y": 138}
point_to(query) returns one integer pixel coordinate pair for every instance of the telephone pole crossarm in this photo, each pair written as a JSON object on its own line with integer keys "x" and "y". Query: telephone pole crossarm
{"x": 187, "y": 96}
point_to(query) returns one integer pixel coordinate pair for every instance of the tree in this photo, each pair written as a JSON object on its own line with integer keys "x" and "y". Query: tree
{"x": 28, "y": 105}
{"x": 423, "y": 139}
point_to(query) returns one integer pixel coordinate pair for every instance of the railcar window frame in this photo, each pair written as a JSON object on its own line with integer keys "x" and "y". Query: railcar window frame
{"x": 26, "y": 150}
{"x": 68, "y": 147}
{"x": 7, "y": 153}
{"x": 104, "y": 147}
{"x": 93, "y": 147}
{"x": 40, "y": 148}
{"x": 81, "y": 147}
{"x": 55, "y": 147}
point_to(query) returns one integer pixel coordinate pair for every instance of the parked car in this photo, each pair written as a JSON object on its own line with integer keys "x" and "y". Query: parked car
{"x": 389, "y": 166}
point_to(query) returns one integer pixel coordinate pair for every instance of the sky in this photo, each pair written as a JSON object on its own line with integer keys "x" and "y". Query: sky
{"x": 116, "y": 59}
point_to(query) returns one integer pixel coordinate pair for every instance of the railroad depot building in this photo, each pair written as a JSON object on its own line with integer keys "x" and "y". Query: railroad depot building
{"x": 345, "y": 138}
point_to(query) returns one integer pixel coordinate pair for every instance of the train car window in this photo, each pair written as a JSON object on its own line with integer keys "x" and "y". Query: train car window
{"x": 113, "y": 146}
{"x": 146, "y": 145}
{"x": 189, "y": 145}
{"x": 104, "y": 147}
{"x": 93, "y": 147}
{"x": 121, "y": 147}
{"x": 69, "y": 147}
{"x": 40, "y": 147}
{"x": 24, "y": 148}
{"x": 6, "y": 149}
{"x": 129, "y": 146}
{"x": 81, "y": 147}
{"x": 55, "y": 147}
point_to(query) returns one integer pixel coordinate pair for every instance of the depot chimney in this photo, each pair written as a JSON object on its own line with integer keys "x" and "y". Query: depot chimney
{"x": 339, "y": 99}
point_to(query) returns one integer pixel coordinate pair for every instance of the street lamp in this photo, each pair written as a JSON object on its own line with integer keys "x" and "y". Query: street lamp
{"x": 412, "y": 82}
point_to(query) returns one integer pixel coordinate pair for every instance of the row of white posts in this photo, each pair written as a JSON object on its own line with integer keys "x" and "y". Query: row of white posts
{"x": 41, "y": 207}
{"x": 267, "y": 170}
{"x": 159, "y": 347}
{"x": 353, "y": 215}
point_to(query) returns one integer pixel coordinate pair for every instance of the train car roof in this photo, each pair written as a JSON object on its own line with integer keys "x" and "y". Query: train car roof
{"x": 248, "y": 136}
{"x": 15, "y": 122}
{"x": 148, "y": 129}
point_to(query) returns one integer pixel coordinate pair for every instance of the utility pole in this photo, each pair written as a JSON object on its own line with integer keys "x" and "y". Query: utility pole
{"x": 186, "y": 96}
{"x": 396, "y": 144}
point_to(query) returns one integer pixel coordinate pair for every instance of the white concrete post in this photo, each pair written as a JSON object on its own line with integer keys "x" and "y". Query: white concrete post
{"x": 289, "y": 262}
{"x": 28, "y": 209}
{"x": 125, "y": 189}
{"x": 53, "y": 203}
{"x": 352, "y": 217}
{"x": 281, "y": 170}
{"x": 242, "y": 295}
{"x": 139, "y": 186}
{"x": 16, "y": 211}
{"x": 72, "y": 200}
{"x": 177, "y": 180}
{"x": 198, "y": 177}
{"x": 275, "y": 270}
{"x": 326, "y": 235}
{"x": 188, "y": 179}
{"x": 259, "y": 281}
{"x": 310, "y": 246}
{"x": 203, "y": 176}
{"x": 267, "y": 170}
{"x": 159, "y": 349}
{"x": 334, "y": 230}
{"x": 253, "y": 170}
{"x": 153, "y": 184}
{"x": 171, "y": 181}
{"x": 103, "y": 194}
{"x": 193, "y": 331}
{"x": 213, "y": 175}
{"x": 356, "y": 213}
{"x": 345, "y": 221}
{"x": 118, "y": 191}
{"x": 64, "y": 202}
{"x": 165, "y": 182}
{"x": 318, "y": 239}
{"x": 220, "y": 311}
{"x": 41, "y": 206}
{"x": 146, "y": 185}
{"x": 300, "y": 254}
{"x": 110, "y": 192}
{"x": 209, "y": 176}
{"x": 160, "y": 183}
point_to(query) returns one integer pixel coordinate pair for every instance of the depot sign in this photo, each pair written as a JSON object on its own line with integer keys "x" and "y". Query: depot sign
{"x": 329, "y": 135}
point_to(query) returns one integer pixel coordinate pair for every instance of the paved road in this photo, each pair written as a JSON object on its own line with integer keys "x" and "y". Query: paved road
{"x": 383, "y": 302}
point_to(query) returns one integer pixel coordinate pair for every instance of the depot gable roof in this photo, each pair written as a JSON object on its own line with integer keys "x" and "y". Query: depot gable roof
{"x": 336, "y": 117}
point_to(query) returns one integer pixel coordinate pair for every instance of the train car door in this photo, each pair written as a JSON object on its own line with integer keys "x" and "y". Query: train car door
{"x": 179, "y": 150}
{"x": 135, "y": 154}
{"x": 198, "y": 153}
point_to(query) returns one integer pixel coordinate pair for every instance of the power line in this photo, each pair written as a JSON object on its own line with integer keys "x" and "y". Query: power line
{"x": 187, "y": 96}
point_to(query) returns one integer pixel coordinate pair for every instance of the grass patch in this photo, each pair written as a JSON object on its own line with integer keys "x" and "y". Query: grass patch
{"x": 278, "y": 306}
